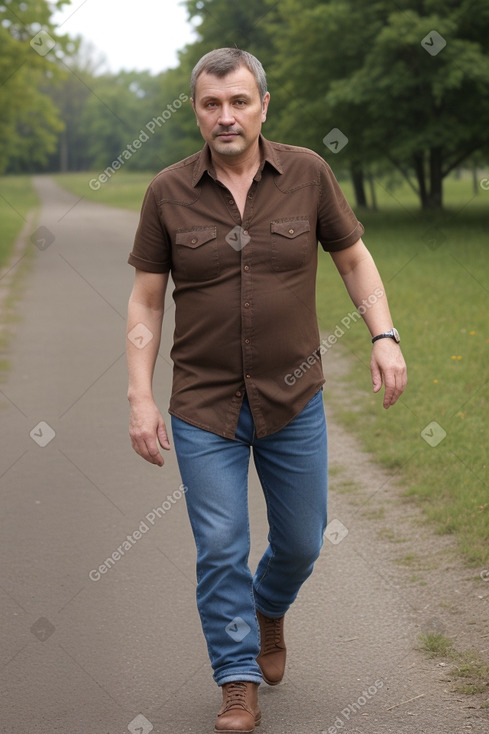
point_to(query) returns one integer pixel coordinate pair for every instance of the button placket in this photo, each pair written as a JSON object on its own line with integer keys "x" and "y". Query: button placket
{"x": 247, "y": 300}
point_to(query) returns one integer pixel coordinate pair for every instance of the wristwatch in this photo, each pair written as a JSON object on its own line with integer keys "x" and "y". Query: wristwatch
{"x": 392, "y": 334}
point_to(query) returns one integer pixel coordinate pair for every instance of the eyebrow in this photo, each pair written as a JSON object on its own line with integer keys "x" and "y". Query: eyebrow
{"x": 212, "y": 97}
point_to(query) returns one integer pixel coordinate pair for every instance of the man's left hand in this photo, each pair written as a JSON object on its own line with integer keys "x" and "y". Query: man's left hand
{"x": 388, "y": 368}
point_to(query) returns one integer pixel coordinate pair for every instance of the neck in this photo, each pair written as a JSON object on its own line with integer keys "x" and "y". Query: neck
{"x": 238, "y": 166}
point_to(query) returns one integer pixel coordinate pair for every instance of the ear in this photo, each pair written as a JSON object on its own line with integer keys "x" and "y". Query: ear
{"x": 193, "y": 107}
{"x": 264, "y": 109}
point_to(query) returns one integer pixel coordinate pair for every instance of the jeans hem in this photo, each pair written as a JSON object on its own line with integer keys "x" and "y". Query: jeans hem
{"x": 250, "y": 677}
{"x": 272, "y": 616}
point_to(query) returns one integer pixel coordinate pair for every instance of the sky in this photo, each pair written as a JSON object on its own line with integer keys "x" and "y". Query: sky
{"x": 144, "y": 34}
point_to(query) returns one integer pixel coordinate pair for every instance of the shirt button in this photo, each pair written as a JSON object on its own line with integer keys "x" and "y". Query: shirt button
{"x": 247, "y": 305}
{"x": 246, "y": 267}
{"x": 291, "y": 231}
{"x": 231, "y": 201}
{"x": 248, "y": 376}
{"x": 194, "y": 240}
{"x": 247, "y": 341}
{"x": 238, "y": 393}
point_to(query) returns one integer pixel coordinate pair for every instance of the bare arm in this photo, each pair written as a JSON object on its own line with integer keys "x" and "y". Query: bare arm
{"x": 144, "y": 322}
{"x": 363, "y": 282}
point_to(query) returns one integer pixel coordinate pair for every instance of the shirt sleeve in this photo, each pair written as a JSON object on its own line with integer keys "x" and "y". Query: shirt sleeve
{"x": 151, "y": 250}
{"x": 338, "y": 227}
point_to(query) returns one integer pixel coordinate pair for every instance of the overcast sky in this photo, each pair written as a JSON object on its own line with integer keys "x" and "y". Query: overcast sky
{"x": 144, "y": 34}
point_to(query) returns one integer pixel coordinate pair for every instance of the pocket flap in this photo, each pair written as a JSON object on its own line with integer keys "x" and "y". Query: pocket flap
{"x": 290, "y": 228}
{"x": 196, "y": 237}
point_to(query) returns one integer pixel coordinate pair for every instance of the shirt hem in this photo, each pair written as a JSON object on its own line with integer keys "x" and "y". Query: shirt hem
{"x": 260, "y": 433}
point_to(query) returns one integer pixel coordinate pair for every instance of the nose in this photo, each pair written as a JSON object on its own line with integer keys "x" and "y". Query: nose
{"x": 226, "y": 117}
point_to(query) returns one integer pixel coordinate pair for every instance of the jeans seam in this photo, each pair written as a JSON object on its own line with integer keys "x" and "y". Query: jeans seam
{"x": 266, "y": 493}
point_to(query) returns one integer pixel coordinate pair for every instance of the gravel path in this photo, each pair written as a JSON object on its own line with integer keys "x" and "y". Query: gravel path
{"x": 91, "y": 652}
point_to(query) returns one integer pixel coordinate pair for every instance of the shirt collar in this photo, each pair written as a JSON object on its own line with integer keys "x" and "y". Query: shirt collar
{"x": 267, "y": 155}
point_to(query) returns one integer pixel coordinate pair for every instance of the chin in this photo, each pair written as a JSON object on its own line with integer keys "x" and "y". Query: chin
{"x": 232, "y": 148}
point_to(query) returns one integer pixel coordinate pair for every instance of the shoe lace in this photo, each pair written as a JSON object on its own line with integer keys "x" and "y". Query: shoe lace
{"x": 235, "y": 696}
{"x": 273, "y": 634}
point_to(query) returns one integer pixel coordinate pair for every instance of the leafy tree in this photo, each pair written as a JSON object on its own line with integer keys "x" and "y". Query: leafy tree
{"x": 29, "y": 52}
{"x": 406, "y": 83}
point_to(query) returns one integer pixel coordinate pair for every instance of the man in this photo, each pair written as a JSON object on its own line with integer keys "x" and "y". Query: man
{"x": 238, "y": 226}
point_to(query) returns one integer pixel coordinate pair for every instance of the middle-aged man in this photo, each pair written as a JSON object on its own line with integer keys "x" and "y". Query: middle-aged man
{"x": 237, "y": 225}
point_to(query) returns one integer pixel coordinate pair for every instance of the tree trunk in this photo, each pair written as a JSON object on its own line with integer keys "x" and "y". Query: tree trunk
{"x": 475, "y": 181}
{"x": 63, "y": 152}
{"x": 418, "y": 162}
{"x": 435, "y": 199}
{"x": 358, "y": 181}
{"x": 373, "y": 195}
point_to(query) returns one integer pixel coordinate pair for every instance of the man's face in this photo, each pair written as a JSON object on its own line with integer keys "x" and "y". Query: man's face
{"x": 229, "y": 111}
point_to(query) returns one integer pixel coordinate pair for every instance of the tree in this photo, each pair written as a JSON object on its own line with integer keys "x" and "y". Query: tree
{"x": 412, "y": 91}
{"x": 29, "y": 52}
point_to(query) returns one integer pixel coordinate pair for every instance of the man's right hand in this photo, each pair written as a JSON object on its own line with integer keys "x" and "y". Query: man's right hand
{"x": 147, "y": 429}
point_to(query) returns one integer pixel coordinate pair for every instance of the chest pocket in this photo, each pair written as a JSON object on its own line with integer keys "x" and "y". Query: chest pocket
{"x": 290, "y": 240}
{"x": 196, "y": 254}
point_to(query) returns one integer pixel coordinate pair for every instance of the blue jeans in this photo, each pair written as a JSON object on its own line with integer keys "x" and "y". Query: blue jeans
{"x": 292, "y": 467}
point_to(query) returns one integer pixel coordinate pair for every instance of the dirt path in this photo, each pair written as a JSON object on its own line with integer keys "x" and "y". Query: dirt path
{"x": 91, "y": 651}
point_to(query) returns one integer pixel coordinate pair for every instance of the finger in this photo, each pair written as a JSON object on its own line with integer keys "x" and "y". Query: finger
{"x": 394, "y": 388}
{"x": 391, "y": 393}
{"x": 376, "y": 377}
{"x": 163, "y": 437}
{"x": 148, "y": 450}
{"x": 152, "y": 453}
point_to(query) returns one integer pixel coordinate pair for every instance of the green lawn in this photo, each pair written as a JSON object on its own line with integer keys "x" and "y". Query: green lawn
{"x": 123, "y": 189}
{"x": 17, "y": 198}
{"x": 436, "y": 273}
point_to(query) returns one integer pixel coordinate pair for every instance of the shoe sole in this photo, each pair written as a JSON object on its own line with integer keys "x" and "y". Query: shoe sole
{"x": 240, "y": 731}
{"x": 271, "y": 682}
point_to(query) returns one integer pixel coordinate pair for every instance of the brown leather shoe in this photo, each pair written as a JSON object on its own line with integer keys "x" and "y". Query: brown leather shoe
{"x": 239, "y": 713}
{"x": 272, "y": 651}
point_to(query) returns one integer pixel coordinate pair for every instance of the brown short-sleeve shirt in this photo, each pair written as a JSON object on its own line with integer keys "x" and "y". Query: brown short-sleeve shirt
{"x": 244, "y": 289}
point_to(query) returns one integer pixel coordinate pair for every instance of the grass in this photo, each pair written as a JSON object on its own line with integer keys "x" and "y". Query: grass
{"x": 17, "y": 198}
{"x": 436, "y": 273}
{"x": 124, "y": 189}
{"x": 470, "y": 672}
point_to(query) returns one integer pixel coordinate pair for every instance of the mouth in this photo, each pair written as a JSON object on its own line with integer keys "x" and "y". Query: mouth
{"x": 227, "y": 135}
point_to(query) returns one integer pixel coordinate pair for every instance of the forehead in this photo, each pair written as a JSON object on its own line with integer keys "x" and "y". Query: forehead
{"x": 240, "y": 81}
